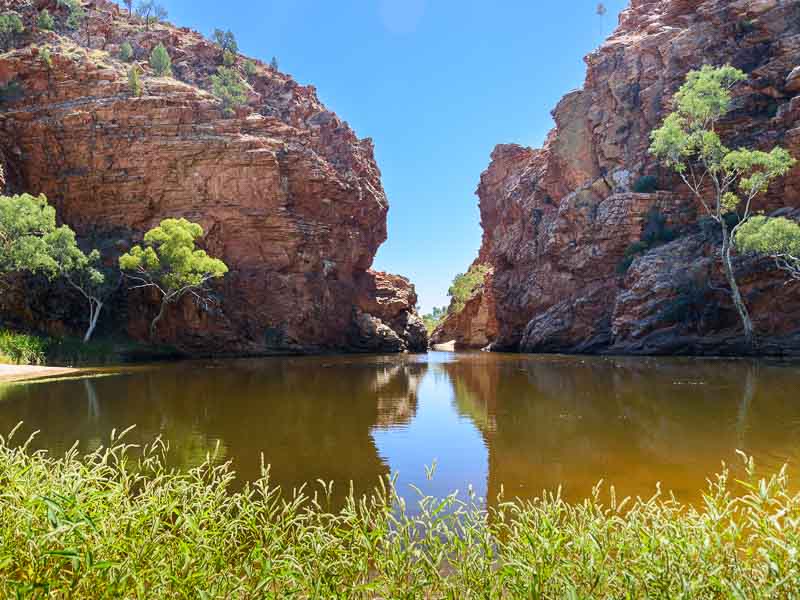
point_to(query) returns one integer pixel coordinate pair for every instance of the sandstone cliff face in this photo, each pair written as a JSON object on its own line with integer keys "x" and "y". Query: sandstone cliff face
{"x": 558, "y": 220}
{"x": 287, "y": 194}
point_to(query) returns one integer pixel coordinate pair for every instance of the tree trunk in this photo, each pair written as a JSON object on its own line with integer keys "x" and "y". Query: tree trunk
{"x": 95, "y": 306}
{"x": 155, "y": 321}
{"x": 738, "y": 302}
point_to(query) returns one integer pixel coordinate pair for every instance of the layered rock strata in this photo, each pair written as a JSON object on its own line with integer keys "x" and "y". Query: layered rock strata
{"x": 286, "y": 193}
{"x": 583, "y": 263}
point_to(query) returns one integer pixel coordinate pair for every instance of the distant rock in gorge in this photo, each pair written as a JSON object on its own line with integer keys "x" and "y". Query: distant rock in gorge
{"x": 287, "y": 194}
{"x": 562, "y": 225}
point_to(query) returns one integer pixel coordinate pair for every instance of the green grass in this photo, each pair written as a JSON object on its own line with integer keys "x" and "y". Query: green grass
{"x": 116, "y": 523}
{"x": 36, "y": 349}
{"x": 22, "y": 348}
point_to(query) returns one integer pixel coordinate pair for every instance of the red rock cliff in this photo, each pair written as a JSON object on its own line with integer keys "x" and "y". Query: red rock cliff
{"x": 287, "y": 194}
{"x": 557, "y": 221}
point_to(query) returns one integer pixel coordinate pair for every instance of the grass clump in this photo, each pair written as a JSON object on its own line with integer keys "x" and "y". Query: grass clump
{"x": 22, "y": 348}
{"x": 117, "y": 524}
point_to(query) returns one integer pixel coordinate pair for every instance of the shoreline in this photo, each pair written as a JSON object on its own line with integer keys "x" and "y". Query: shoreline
{"x": 14, "y": 373}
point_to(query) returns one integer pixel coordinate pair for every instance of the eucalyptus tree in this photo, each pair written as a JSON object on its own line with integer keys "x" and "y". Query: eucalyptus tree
{"x": 30, "y": 241}
{"x": 724, "y": 181}
{"x": 170, "y": 263}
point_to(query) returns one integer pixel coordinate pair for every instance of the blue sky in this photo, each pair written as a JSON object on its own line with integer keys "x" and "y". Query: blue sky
{"x": 436, "y": 84}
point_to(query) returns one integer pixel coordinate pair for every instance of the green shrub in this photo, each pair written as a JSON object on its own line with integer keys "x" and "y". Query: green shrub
{"x": 11, "y": 92}
{"x": 23, "y": 348}
{"x": 45, "y": 20}
{"x": 126, "y": 52}
{"x": 250, "y": 68}
{"x": 466, "y": 284}
{"x": 76, "y": 14}
{"x": 160, "y": 61}
{"x": 45, "y": 55}
{"x": 229, "y": 87}
{"x": 10, "y": 27}
{"x": 135, "y": 81}
{"x": 654, "y": 233}
{"x": 121, "y": 521}
{"x": 228, "y": 58}
{"x": 646, "y": 184}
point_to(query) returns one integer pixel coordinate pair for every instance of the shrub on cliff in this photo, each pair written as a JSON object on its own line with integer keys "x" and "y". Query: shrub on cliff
{"x": 465, "y": 284}
{"x": 160, "y": 61}
{"x": 10, "y": 27}
{"x": 250, "y": 68}
{"x": 31, "y": 241}
{"x": 646, "y": 184}
{"x": 170, "y": 263}
{"x": 688, "y": 142}
{"x": 75, "y": 13}
{"x": 228, "y": 86}
{"x": 126, "y": 52}
{"x": 228, "y": 58}
{"x": 135, "y": 81}
{"x": 45, "y": 20}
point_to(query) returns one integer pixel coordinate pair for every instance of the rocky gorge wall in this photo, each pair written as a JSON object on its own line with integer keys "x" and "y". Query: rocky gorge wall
{"x": 286, "y": 193}
{"x": 559, "y": 220}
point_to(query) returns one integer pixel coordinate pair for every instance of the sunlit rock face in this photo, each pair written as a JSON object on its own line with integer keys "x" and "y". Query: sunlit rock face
{"x": 558, "y": 220}
{"x": 287, "y": 194}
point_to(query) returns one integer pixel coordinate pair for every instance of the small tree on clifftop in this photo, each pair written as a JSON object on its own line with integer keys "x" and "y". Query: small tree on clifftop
{"x": 228, "y": 86}
{"x": 160, "y": 61}
{"x": 724, "y": 181}
{"x": 170, "y": 263}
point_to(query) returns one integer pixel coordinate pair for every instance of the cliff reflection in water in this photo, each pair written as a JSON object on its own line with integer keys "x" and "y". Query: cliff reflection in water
{"x": 524, "y": 422}
{"x": 568, "y": 421}
{"x": 311, "y": 418}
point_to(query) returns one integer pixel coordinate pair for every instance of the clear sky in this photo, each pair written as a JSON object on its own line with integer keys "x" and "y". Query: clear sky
{"x": 436, "y": 84}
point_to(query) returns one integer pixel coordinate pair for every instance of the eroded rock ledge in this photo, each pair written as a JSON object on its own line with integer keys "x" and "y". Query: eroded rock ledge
{"x": 558, "y": 220}
{"x": 287, "y": 194}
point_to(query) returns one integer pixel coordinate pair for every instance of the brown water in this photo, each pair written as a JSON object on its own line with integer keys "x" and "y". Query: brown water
{"x": 524, "y": 422}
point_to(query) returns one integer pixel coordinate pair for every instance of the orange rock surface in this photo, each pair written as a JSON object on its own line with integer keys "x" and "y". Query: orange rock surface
{"x": 558, "y": 220}
{"x": 289, "y": 197}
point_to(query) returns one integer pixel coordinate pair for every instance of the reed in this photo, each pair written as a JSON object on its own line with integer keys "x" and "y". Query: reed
{"x": 117, "y": 523}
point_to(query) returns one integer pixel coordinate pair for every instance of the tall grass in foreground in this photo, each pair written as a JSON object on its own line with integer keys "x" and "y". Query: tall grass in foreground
{"x": 109, "y": 524}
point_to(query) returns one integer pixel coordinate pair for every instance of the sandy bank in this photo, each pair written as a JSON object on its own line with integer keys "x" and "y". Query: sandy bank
{"x": 21, "y": 372}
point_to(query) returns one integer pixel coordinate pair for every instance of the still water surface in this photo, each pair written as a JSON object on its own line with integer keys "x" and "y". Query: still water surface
{"x": 526, "y": 423}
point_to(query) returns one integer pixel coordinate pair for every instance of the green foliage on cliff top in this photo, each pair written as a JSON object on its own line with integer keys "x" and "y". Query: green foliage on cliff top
{"x": 10, "y": 27}
{"x": 465, "y": 284}
{"x": 45, "y": 20}
{"x": 126, "y": 52}
{"x": 119, "y": 520}
{"x": 160, "y": 61}
{"x": 228, "y": 86}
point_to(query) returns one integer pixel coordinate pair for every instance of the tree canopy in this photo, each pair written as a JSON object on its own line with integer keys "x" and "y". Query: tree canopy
{"x": 777, "y": 237}
{"x": 723, "y": 180}
{"x": 31, "y": 241}
{"x": 170, "y": 262}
